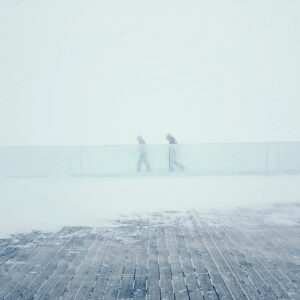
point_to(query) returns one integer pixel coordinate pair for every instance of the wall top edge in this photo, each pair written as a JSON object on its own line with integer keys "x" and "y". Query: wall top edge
{"x": 134, "y": 145}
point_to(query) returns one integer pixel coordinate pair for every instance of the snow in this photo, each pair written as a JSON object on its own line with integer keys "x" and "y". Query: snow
{"x": 49, "y": 203}
{"x": 79, "y": 72}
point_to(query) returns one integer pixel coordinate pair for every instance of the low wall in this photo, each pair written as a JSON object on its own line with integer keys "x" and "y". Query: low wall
{"x": 190, "y": 159}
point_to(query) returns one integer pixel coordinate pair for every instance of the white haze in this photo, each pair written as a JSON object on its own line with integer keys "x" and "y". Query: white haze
{"x": 103, "y": 71}
{"x": 49, "y": 203}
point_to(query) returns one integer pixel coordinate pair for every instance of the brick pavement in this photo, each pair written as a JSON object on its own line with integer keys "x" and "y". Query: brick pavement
{"x": 170, "y": 255}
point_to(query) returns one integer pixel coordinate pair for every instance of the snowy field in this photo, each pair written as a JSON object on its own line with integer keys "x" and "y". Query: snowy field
{"x": 49, "y": 203}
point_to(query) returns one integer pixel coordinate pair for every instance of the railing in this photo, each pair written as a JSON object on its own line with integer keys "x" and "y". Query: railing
{"x": 153, "y": 160}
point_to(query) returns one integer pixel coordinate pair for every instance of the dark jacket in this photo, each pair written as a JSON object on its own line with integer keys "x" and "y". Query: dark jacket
{"x": 172, "y": 140}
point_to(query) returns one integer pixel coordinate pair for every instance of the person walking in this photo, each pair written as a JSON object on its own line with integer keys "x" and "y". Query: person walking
{"x": 143, "y": 154}
{"x": 173, "y": 162}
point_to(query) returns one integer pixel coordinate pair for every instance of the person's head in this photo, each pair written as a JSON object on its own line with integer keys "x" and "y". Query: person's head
{"x": 139, "y": 138}
{"x": 168, "y": 136}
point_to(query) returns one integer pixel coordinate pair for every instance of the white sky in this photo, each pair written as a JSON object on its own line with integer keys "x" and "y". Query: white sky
{"x": 104, "y": 71}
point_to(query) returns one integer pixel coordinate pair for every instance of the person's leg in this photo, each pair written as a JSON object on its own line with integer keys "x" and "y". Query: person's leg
{"x": 175, "y": 162}
{"x": 178, "y": 164}
{"x": 172, "y": 159}
{"x": 145, "y": 161}
{"x": 139, "y": 165}
{"x": 171, "y": 164}
{"x": 147, "y": 164}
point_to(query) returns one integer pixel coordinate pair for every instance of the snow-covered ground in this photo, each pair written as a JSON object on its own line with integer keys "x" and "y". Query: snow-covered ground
{"x": 49, "y": 203}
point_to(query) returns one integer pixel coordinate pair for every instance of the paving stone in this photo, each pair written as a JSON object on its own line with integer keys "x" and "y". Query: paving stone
{"x": 163, "y": 256}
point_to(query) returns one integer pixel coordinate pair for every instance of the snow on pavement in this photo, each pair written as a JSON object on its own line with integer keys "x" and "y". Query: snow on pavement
{"x": 49, "y": 203}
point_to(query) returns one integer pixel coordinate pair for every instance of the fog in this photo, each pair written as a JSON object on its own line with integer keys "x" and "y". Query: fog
{"x": 49, "y": 203}
{"x": 80, "y": 72}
